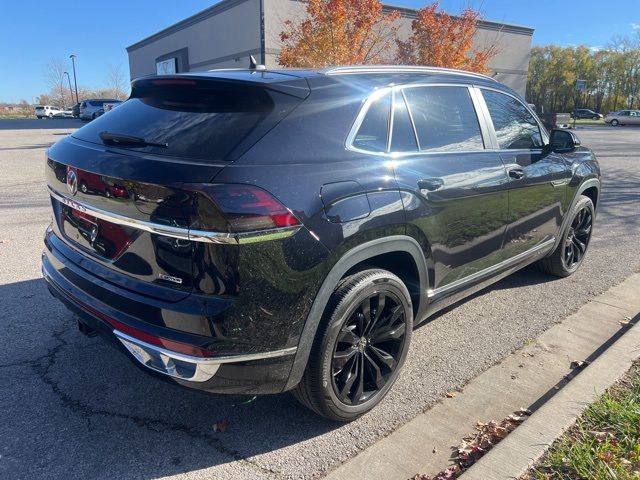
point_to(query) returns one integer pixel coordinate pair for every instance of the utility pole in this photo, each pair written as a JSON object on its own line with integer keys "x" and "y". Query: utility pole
{"x": 75, "y": 81}
{"x": 69, "y": 78}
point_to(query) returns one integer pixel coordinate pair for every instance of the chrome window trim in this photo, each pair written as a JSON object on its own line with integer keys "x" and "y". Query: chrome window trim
{"x": 187, "y": 367}
{"x": 537, "y": 250}
{"x": 181, "y": 233}
{"x": 381, "y": 92}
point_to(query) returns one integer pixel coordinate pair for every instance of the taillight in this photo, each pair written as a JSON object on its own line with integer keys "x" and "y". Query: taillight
{"x": 244, "y": 208}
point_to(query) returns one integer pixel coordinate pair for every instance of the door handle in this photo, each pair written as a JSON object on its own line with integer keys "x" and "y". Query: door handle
{"x": 516, "y": 173}
{"x": 430, "y": 184}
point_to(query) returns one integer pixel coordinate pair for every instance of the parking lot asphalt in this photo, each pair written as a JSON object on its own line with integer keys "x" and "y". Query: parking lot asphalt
{"x": 70, "y": 407}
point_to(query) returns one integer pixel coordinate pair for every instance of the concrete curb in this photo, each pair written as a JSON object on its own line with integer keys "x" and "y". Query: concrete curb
{"x": 512, "y": 457}
{"x": 529, "y": 377}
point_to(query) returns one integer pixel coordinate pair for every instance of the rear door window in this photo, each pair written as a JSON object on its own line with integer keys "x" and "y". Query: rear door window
{"x": 515, "y": 126}
{"x": 444, "y": 118}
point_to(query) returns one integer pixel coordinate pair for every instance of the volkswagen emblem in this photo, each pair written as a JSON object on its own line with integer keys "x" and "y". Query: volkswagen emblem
{"x": 72, "y": 182}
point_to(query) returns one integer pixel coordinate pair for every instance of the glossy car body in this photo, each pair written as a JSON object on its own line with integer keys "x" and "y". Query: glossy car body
{"x": 623, "y": 117}
{"x": 447, "y": 211}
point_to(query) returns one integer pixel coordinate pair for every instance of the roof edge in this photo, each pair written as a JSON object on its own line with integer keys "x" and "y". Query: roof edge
{"x": 195, "y": 18}
{"x": 485, "y": 24}
{"x": 227, "y": 4}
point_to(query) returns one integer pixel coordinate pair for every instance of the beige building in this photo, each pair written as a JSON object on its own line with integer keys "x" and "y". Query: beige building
{"x": 227, "y": 33}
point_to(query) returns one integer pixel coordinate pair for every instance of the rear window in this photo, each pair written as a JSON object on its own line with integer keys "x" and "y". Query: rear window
{"x": 203, "y": 120}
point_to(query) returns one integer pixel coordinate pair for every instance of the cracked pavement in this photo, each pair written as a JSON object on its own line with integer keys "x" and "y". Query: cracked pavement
{"x": 72, "y": 407}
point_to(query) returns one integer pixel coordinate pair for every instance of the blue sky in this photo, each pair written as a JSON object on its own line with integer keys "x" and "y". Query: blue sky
{"x": 35, "y": 31}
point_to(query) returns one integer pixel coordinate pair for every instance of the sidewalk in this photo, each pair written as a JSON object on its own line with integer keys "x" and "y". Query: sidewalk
{"x": 528, "y": 378}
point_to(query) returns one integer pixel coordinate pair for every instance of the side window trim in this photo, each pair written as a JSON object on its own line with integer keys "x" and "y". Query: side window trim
{"x": 543, "y": 131}
{"x": 485, "y": 122}
{"x": 390, "y": 122}
{"x": 484, "y": 118}
{"x": 413, "y": 124}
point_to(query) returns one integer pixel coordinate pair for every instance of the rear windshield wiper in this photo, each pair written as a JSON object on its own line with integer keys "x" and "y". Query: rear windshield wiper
{"x": 121, "y": 140}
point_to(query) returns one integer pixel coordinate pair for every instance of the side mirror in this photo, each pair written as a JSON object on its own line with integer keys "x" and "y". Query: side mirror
{"x": 563, "y": 141}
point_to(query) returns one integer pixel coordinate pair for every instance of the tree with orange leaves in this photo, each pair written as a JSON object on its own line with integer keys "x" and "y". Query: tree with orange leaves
{"x": 441, "y": 40}
{"x": 339, "y": 32}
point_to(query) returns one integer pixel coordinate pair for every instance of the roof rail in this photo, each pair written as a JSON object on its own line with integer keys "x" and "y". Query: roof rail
{"x": 362, "y": 69}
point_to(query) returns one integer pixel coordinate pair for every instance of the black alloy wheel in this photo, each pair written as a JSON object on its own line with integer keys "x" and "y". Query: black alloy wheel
{"x": 577, "y": 238}
{"x": 368, "y": 348}
{"x": 570, "y": 251}
{"x": 360, "y": 346}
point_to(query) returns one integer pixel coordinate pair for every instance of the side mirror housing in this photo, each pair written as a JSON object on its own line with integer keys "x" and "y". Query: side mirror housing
{"x": 563, "y": 141}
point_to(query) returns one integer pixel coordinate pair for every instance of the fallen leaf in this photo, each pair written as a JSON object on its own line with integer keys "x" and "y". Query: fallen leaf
{"x": 221, "y": 426}
{"x": 450, "y": 394}
{"x": 625, "y": 321}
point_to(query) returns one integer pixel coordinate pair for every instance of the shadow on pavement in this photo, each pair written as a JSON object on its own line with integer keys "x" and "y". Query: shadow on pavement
{"x": 80, "y": 391}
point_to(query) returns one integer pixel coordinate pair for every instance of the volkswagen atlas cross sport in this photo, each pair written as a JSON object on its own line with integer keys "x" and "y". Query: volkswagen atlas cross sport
{"x": 264, "y": 231}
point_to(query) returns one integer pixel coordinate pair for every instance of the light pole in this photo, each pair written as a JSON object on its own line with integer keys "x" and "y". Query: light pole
{"x": 75, "y": 81}
{"x": 69, "y": 78}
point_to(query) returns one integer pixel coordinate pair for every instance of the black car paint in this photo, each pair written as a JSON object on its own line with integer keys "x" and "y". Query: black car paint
{"x": 356, "y": 209}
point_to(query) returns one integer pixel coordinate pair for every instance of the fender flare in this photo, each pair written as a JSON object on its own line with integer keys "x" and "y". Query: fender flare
{"x": 394, "y": 243}
{"x": 591, "y": 182}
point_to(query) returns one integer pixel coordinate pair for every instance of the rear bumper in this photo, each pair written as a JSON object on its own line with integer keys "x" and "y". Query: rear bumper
{"x": 228, "y": 370}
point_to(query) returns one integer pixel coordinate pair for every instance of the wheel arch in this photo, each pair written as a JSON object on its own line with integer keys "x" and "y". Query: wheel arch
{"x": 379, "y": 253}
{"x": 590, "y": 188}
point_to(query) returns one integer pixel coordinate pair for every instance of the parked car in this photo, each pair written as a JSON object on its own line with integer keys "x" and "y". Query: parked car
{"x": 287, "y": 231}
{"x": 585, "y": 113}
{"x": 93, "y": 108}
{"x": 623, "y": 117}
{"x": 66, "y": 112}
{"x": 46, "y": 111}
{"x": 76, "y": 110}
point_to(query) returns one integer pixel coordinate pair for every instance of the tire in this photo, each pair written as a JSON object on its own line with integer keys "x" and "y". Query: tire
{"x": 615, "y": 123}
{"x": 347, "y": 346}
{"x": 575, "y": 238}
{"x": 595, "y": 117}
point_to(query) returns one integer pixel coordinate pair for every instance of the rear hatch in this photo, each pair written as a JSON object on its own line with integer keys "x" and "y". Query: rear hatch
{"x": 127, "y": 188}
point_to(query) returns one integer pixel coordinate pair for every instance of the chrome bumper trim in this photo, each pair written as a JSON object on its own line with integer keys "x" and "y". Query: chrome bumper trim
{"x": 177, "y": 232}
{"x": 187, "y": 367}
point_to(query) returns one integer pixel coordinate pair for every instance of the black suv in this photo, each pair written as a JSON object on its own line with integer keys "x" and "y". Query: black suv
{"x": 585, "y": 113}
{"x": 254, "y": 232}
